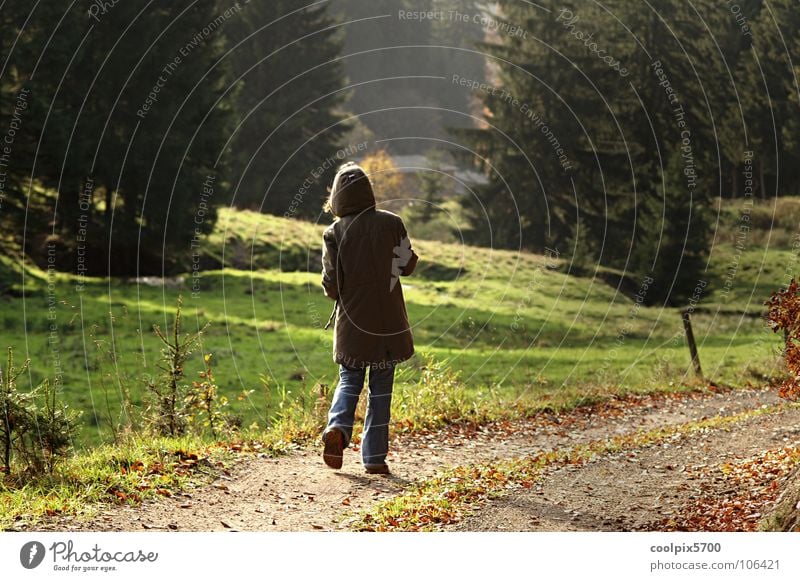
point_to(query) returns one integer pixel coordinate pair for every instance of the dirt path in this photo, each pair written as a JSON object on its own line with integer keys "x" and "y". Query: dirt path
{"x": 297, "y": 492}
{"x": 639, "y": 489}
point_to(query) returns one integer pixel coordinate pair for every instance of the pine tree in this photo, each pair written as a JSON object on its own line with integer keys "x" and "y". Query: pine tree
{"x": 680, "y": 75}
{"x": 585, "y": 90}
{"x": 289, "y": 108}
{"x": 126, "y": 128}
{"x": 767, "y": 122}
{"x": 526, "y": 200}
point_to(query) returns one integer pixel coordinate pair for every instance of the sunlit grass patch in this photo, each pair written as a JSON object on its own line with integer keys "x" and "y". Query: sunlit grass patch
{"x": 127, "y": 473}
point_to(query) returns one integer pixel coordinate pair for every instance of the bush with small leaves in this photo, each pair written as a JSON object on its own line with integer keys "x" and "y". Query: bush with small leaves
{"x": 36, "y": 430}
{"x": 784, "y": 315}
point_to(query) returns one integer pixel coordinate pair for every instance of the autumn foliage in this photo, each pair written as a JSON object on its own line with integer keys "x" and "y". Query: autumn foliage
{"x": 388, "y": 181}
{"x": 784, "y": 315}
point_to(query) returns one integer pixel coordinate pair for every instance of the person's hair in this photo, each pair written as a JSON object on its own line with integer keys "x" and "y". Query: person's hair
{"x": 342, "y": 169}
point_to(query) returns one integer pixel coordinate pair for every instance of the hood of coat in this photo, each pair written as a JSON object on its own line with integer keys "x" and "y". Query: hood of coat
{"x": 351, "y": 191}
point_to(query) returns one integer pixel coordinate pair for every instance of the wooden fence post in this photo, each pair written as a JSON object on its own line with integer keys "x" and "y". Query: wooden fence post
{"x": 687, "y": 327}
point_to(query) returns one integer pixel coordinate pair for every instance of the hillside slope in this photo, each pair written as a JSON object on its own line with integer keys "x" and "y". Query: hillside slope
{"x": 512, "y": 320}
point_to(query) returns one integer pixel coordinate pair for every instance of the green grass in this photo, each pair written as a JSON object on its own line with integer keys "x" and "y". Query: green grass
{"x": 127, "y": 473}
{"x": 138, "y": 466}
{"x": 508, "y": 322}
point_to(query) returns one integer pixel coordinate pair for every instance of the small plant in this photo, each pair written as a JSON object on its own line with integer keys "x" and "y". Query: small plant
{"x": 168, "y": 413}
{"x": 36, "y": 430}
{"x": 784, "y": 315}
{"x": 13, "y": 406}
{"x": 49, "y": 439}
{"x": 204, "y": 404}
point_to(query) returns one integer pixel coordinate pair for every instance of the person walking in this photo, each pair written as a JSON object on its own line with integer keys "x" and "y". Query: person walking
{"x": 364, "y": 253}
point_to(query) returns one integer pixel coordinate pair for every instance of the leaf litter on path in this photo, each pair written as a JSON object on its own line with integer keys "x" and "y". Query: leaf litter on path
{"x": 258, "y": 493}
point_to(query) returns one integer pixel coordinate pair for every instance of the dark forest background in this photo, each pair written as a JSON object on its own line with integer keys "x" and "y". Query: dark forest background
{"x": 605, "y": 131}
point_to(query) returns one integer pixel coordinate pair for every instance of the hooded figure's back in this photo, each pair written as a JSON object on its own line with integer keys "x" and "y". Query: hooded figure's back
{"x": 365, "y": 251}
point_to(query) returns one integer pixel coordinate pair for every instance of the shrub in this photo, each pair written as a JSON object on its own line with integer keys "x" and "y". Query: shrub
{"x": 36, "y": 430}
{"x": 784, "y": 315}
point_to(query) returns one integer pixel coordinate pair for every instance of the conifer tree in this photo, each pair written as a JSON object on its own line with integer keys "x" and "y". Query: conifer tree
{"x": 125, "y": 127}
{"x": 289, "y": 110}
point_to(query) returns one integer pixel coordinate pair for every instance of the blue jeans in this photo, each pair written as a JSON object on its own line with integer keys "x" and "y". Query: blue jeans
{"x": 375, "y": 440}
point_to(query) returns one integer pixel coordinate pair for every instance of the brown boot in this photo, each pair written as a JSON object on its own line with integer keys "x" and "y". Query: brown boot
{"x": 377, "y": 469}
{"x": 334, "y": 448}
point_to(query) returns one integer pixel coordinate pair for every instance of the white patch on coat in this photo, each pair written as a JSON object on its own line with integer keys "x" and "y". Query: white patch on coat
{"x": 402, "y": 255}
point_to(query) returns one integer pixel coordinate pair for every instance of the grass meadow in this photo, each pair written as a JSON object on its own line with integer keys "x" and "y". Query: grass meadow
{"x": 510, "y": 323}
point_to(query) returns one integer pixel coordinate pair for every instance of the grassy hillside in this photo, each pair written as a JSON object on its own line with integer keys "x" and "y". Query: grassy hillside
{"x": 513, "y": 320}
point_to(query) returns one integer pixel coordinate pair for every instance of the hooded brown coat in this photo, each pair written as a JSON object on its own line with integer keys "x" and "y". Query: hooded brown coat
{"x": 364, "y": 252}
